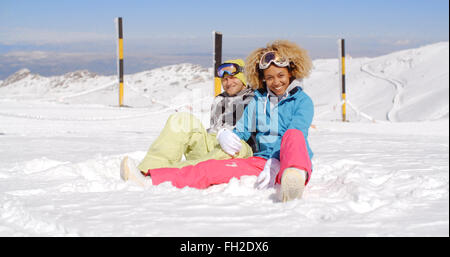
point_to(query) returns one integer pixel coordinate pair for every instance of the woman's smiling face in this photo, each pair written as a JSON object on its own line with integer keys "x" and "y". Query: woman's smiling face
{"x": 277, "y": 79}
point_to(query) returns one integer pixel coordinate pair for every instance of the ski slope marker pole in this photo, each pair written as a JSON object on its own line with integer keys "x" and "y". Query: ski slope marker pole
{"x": 342, "y": 66}
{"x": 120, "y": 58}
{"x": 217, "y": 60}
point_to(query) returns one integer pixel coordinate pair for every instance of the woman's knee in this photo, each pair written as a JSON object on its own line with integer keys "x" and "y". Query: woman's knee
{"x": 294, "y": 135}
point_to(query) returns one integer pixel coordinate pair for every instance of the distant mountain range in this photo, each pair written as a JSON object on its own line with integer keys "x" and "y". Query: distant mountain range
{"x": 408, "y": 85}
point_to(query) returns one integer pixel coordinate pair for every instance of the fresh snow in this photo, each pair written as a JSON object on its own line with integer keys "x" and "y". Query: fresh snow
{"x": 384, "y": 173}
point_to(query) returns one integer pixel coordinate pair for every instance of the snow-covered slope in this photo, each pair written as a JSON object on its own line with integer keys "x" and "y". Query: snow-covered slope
{"x": 62, "y": 139}
{"x": 410, "y": 85}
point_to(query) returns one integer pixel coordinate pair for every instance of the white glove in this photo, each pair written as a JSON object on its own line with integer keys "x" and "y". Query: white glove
{"x": 230, "y": 142}
{"x": 267, "y": 177}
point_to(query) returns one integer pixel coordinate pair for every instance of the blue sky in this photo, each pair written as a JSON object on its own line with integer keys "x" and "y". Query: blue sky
{"x": 53, "y": 37}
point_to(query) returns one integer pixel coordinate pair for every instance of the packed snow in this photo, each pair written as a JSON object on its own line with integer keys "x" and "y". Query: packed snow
{"x": 383, "y": 173}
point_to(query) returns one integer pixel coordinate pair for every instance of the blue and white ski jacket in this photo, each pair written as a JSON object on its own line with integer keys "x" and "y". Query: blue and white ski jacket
{"x": 267, "y": 119}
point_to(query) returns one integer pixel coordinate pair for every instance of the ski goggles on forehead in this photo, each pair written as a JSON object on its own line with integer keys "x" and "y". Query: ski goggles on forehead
{"x": 272, "y": 57}
{"x": 229, "y": 68}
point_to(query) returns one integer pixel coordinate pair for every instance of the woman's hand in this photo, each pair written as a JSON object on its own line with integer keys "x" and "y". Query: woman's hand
{"x": 267, "y": 177}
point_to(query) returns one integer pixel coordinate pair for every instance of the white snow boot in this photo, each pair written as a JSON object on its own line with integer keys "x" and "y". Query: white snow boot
{"x": 129, "y": 171}
{"x": 292, "y": 184}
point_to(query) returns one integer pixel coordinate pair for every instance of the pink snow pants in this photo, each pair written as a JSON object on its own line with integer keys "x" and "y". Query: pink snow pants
{"x": 293, "y": 153}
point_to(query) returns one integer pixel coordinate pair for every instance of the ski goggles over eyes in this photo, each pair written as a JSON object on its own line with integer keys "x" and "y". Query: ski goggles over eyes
{"x": 229, "y": 68}
{"x": 272, "y": 57}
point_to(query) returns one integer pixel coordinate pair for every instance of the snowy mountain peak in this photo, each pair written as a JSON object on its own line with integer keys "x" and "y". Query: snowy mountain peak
{"x": 183, "y": 69}
{"x": 80, "y": 74}
{"x": 19, "y": 75}
{"x": 178, "y": 75}
{"x": 23, "y": 71}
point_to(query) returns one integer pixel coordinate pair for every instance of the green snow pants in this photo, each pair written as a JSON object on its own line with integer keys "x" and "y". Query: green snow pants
{"x": 184, "y": 135}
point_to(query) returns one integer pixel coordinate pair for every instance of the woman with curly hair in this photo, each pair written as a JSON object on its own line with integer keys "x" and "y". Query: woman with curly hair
{"x": 278, "y": 118}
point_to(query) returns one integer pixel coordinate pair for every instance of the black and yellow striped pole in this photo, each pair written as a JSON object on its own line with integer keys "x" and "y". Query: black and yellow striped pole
{"x": 342, "y": 65}
{"x": 120, "y": 58}
{"x": 217, "y": 61}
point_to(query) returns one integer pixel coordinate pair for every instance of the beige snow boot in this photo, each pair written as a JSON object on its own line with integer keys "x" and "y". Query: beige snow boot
{"x": 129, "y": 171}
{"x": 292, "y": 184}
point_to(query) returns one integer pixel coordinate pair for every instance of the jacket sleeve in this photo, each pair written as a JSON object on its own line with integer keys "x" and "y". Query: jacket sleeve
{"x": 247, "y": 123}
{"x": 213, "y": 109}
{"x": 301, "y": 120}
{"x": 215, "y": 117}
